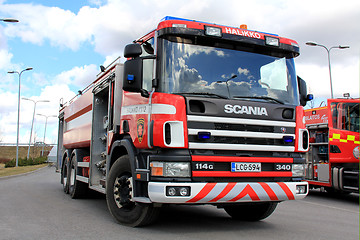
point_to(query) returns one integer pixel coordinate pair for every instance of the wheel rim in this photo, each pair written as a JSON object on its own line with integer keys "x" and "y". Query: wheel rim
{"x": 64, "y": 176}
{"x": 123, "y": 192}
{"x": 72, "y": 176}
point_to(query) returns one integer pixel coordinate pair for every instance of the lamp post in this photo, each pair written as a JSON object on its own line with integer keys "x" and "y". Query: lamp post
{"x": 11, "y": 20}
{"x": 32, "y": 122}
{"x": 18, "y": 117}
{"x": 328, "y": 53}
{"x": 227, "y": 85}
{"x": 46, "y": 117}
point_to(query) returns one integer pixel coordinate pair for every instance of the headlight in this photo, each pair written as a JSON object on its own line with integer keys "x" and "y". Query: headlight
{"x": 298, "y": 170}
{"x": 356, "y": 152}
{"x": 170, "y": 169}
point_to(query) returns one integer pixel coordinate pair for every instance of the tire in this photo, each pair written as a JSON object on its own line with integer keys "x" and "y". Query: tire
{"x": 119, "y": 200}
{"x": 77, "y": 189}
{"x": 251, "y": 211}
{"x": 64, "y": 175}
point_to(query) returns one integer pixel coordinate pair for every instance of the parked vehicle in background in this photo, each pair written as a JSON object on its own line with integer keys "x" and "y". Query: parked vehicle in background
{"x": 333, "y": 158}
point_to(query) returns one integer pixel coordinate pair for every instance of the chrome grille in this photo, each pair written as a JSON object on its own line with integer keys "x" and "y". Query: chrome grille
{"x": 240, "y": 134}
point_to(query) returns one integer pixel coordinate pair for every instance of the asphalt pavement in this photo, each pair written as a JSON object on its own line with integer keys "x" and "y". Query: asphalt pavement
{"x": 34, "y": 206}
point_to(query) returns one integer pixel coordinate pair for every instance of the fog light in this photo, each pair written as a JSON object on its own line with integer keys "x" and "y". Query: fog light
{"x": 183, "y": 191}
{"x": 171, "y": 191}
{"x": 301, "y": 189}
{"x": 177, "y": 191}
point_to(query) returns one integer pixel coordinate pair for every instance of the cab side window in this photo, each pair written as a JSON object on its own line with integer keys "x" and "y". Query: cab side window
{"x": 148, "y": 64}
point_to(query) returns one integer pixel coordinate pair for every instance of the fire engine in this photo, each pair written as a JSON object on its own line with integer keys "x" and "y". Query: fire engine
{"x": 333, "y": 157}
{"x": 198, "y": 113}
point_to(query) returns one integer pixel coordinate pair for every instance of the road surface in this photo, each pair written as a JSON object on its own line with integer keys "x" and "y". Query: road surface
{"x": 34, "y": 206}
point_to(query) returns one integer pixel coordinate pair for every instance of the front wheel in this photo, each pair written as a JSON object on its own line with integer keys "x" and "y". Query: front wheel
{"x": 251, "y": 211}
{"x": 119, "y": 197}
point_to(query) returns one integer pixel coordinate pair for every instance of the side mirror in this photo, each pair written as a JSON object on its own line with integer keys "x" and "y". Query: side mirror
{"x": 133, "y": 69}
{"x": 132, "y": 50}
{"x": 133, "y": 75}
{"x": 304, "y": 97}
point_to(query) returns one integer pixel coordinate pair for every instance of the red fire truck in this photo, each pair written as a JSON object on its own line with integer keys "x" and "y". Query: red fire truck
{"x": 198, "y": 114}
{"x": 333, "y": 157}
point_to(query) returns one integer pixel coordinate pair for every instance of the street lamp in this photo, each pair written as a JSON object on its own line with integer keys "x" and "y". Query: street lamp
{"x": 227, "y": 85}
{"x": 32, "y": 122}
{"x": 18, "y": 118}
{"x": 11, "y": 20}
{"x": 328, "y": 52}
{"x": 46, "y": 116}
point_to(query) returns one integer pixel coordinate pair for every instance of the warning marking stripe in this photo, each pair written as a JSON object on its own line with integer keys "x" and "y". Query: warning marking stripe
{"x": 233, "y": 192}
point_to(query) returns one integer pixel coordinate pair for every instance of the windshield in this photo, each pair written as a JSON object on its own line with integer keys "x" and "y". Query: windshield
{"x": 219, "y": 72}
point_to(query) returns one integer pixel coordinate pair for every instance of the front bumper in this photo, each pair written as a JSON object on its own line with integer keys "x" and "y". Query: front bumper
{"x": 212, "y": 193}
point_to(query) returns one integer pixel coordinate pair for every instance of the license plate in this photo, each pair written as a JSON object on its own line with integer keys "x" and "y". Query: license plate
{"x": 245, "y": 167}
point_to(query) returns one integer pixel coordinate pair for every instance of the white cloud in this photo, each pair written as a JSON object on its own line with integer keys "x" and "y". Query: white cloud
{"x": 109, "y": 25}
{"x": 111, "y": 58}
{"x": 318, "y": 79}
{"x": 243, "y": 71}
{"x": 5, "y": 59}
{"x": 78, "y": 76}
{"x": 8, "y": 112}
{"x": 61, "y": 27}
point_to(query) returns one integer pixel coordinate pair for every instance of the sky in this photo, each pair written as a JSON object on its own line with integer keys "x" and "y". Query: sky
{"x": 65, "y": 42}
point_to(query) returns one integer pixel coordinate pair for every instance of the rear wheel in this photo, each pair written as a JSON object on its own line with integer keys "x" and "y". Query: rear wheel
{"x": 251, "y": 211}
{"x": 64, "y": 175}
{"x": 119, "y": 197}
{"x": 77, "y": 189}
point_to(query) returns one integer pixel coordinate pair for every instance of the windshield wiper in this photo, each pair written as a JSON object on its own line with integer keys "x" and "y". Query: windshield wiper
{"x": 261, "y": 97}
{"x": 204, "y": 93}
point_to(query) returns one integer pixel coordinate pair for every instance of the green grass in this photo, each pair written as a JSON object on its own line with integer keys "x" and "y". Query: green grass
{"x": 4, "y": 172}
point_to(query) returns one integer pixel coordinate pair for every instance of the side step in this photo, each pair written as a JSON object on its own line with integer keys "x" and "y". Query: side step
{"x": 351, "y": 180}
